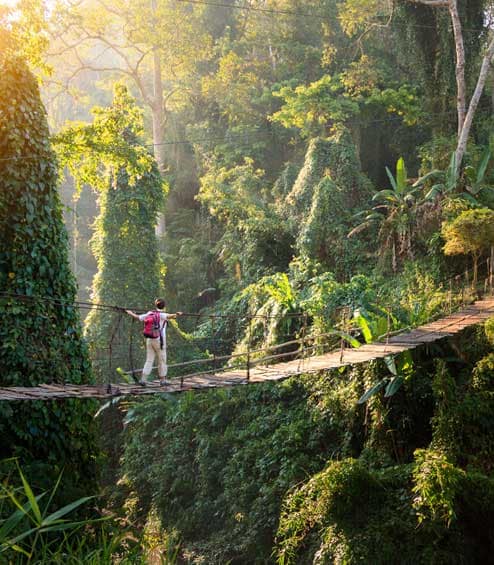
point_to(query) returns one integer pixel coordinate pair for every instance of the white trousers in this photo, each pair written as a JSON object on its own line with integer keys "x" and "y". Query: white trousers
{"x": 153, "y": 350}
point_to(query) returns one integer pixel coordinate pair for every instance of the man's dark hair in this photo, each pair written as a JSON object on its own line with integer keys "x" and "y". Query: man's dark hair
{"x": 160, "y": 303}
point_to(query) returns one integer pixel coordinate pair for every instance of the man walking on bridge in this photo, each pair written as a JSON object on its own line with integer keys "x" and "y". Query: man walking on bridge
{"x": 155, "y": 322}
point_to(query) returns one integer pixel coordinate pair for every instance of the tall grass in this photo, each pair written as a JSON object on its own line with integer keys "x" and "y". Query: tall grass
{"x": 34, "y": 533}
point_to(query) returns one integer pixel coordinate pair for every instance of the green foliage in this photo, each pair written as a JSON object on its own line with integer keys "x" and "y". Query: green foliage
{"x": 324, "y": 298}
{"x": 471, "y": 232}
{"x": 23, "y": 531}
{"x": 461, "y": 422}
{"x": 445, "y": 184}
{"x": 336, "y": 159}
{"x": 109, "y": 156}
{"x": 95, "y": 153}
{"x": 483, "y": 374}
{"x": 476, "y": 177}
{"x": 473, "y": 420}
{"x": 395, "y": 212}
{"x": 349, "y": 513}
{"x": 187, "y": 249}
{"x": 254, "y": 238}
{"x": 445, "y": 421}
{"x": 489, "y": 330}
{"x": 403, "y": 101}
{"x": 316, "y": 109}
{"x": 225, "y": 468}
{"x": 426, "y": 43}
{"x": 305, "y": 288}
{"x": 216, "y": 466}
{"x": 33, "y": 529}
{"x": 40, "y": 336}
{"x": 399, "y": 367}
{"x": 23, "y": 32}
{"x": 431, "y": 511}
{"x": 328, "y": 191}
{"x": 225, "y": 461}
{"x": 327, "y": 105}
{"x": 437, "y": 483}
{"x": 418, "y": 295}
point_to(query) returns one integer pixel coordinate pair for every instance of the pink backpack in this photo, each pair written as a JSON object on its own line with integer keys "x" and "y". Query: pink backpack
{"x": 152, "y": 325}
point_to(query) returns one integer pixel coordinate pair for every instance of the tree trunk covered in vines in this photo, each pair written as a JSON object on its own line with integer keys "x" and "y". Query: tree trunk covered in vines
{"x": 40, "y": 331}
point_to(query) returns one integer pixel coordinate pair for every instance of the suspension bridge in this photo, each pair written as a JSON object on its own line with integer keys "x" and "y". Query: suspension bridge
{"x": 272, "y": 367}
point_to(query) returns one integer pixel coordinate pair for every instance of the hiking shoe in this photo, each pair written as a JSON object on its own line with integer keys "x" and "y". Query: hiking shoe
{"x": 164, "y": 382}
{"x": 142, "y": 383}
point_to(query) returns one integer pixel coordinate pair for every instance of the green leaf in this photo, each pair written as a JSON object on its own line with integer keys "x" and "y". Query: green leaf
{"x": 430, "y": 175}
{"x": 374, "y": 390}
{"x": 404, "y": 361}
{"x": 434, "y": 192}
{"x": 65, "y": 510}
{"x": 13, "y": 520}
{"x": 63, "y": 525}
{"x": 24, "y": 509}
{"x": 486, "y": 156}
{"x": 350, "y": 339}
{"x": 469, "y": 198}
{"x": 9, "y": 543}
{"x": 52, "y": 494}
{"x": 364, "y": 326}
{"x": 452, "y": 174}
{"x": 393, "y": 386}
{"x": 30, "y": 497}
{"x": 391, "y": 365}
{"x": 401, "y": 175}
{"x": 19, "y": 549}
{"x": 386, "y": 195}
{"x": 126, "y": 378}
{"x": 392, "y": 179}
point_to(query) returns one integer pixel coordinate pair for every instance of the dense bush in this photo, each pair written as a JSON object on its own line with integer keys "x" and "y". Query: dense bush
{"x": 437, "y": 509}
{"x": 216, "y": 465}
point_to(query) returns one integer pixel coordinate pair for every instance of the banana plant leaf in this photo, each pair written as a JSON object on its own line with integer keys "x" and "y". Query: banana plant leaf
{"x": 393, "y": 386}
{"x": 372, "y": 391}
{"x": 436, "y": 173}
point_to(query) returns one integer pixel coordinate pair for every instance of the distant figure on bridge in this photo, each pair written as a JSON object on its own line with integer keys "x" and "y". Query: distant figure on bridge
{"x": 155, "y": 322}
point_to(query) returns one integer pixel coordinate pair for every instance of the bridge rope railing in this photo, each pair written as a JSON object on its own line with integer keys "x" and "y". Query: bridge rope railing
{"x": 456, "y": 290}
{"x": 344, "y": 333}
{"x": 303, "y": 341}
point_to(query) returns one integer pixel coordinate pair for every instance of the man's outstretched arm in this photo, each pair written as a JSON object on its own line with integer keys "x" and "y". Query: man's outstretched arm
{"x": 173, "y": 316}
{"x": 133, "y": 314}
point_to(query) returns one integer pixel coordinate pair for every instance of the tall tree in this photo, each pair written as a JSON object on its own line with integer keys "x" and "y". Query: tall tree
{"x": 465, "y": 109}
{"x": 155, "y": 44}
{"x": 40, "y": 332}
{"x": 109, "y": 156}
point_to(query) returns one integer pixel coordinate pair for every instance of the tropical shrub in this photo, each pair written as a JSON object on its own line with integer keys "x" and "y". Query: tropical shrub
{"x": 471, "y": 232}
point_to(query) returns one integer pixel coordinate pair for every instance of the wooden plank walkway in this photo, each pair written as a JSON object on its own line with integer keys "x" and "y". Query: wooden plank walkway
{"x": 476, "y": 313}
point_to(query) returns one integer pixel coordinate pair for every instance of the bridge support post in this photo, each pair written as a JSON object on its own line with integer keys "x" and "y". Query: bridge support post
{"x": 388, "y": 325}
{"x": 342, "y": 341}
{"x": 450, "y": 296}
{"x": 304, "y": 331}
{"x": 249, "y": 336}
{"x": 491, "y": 264}
{"x": 213, "y": 344}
